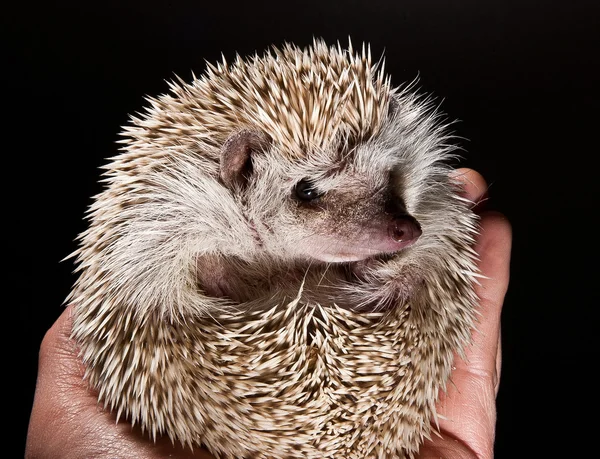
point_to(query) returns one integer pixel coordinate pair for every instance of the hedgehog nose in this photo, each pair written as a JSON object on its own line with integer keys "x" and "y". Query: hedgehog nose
{"x": 404, "y": 230}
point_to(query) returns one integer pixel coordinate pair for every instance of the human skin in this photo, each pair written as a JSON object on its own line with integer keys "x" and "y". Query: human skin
{"x": 68, "y": 422}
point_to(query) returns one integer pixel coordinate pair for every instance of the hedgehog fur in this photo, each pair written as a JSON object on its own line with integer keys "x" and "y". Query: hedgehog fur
{"x": 216, "y": 308}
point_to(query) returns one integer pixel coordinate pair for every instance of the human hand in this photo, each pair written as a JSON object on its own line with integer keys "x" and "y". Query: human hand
{"x": 68, "y": 422}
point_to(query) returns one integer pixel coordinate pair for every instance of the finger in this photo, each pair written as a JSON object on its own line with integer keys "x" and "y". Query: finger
{"x": 494, "y": 249}
{"x": 498, "y": 363}
{"x": 467, "y": 408}
{"x": 56, "y": 397}
{"x": 475, "y": 188}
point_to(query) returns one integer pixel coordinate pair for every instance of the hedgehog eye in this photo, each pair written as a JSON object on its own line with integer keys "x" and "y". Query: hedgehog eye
{"x": 306, "y": 191}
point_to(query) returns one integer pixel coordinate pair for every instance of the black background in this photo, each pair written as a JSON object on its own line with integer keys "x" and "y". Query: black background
{"x": 519, "y": 75}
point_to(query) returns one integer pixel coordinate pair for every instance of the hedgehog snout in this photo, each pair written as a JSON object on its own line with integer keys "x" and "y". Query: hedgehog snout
{"x": 404, "y": 230}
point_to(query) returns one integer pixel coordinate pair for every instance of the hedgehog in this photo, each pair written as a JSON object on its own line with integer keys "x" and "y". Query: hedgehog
{"x": 279, "y": 264}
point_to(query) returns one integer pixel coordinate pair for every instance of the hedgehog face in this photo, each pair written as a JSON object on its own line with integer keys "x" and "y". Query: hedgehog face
{"x": 342, "y": 213}
{"x": 352, "y": 221}
{"x": 331, "y": 205}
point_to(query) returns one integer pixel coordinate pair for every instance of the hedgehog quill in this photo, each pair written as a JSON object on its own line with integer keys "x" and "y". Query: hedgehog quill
{"x": 279, "y": 265}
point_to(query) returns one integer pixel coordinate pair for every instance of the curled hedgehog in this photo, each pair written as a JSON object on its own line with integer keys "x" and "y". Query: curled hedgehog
{"x": 280, "y": 264}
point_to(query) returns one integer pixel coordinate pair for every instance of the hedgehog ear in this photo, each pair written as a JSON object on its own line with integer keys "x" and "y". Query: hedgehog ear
{"x": 236, "y": 157}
